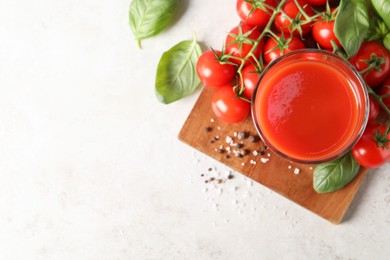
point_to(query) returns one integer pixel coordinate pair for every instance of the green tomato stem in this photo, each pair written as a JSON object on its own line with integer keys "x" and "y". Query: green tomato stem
{"x": 379, "y": 99}
{"x": 265, "y": 31}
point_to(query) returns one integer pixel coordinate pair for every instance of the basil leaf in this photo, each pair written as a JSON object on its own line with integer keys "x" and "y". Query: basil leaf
{"x": 150, "y": 17}
{"x": 334, "y": 175}
{"x": 351, "y": 25}
{"x": 386, "y": 41}
{"x": 176, "y": 74}
{"x": 382, "y": 7}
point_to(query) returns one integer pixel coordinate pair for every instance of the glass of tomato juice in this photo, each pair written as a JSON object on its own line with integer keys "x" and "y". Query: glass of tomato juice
{"x": 310, "y": 106}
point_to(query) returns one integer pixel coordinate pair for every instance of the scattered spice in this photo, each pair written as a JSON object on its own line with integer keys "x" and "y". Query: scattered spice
{"x": 254, "y": 138}
{"x": 208, "y": 129}
{"x": 242, "y": 135}
{"x": 264, "y": 160}
{"x": 229, "y": 140}
{"x": 245, "y": 152}
{"x": 239, "y": 146}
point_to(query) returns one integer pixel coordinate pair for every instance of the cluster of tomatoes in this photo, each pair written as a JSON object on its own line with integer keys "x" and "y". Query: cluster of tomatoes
{"x": 271, "y": 28}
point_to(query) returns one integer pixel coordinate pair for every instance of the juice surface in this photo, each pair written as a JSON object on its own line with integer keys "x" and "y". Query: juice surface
{"x": 306, "y": 109}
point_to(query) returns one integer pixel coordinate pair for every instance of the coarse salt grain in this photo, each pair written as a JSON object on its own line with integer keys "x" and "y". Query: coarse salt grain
{"x": 229, "y": 140}
{"x": 212, "y": 120}
{"x": 264, "y": 160}
{"x": 297, "y": 171}
{"x": 255, "y": 153}
{"x": 252, "y": 162}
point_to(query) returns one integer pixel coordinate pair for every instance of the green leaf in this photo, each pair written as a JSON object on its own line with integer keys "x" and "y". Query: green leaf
{"x": 150, "y": 17}
{"x": 386, "y": 41}
{"x": 176, "y": 74}
{"x": 334, "y": 175}
{"x": 383, "y": 9}
{"x": 352, "y": 24}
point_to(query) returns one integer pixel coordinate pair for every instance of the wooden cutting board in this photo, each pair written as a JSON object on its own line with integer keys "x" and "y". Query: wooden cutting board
{"x": 243, "y": 153}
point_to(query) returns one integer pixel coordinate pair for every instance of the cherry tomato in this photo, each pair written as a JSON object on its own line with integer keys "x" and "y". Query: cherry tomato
{"x": 256, "y": 13}
{"x": 290, "y": 11}
{"x": 385, "y": 90}
{"x": 240, "y": 41}
{"x": 212, "y": 72}
{"x": 360, "y": 61}
{"x": 250, "y": 77}
{"x": 317, "y": 2}
{"x": 323, "y": 34}
{"x": 367, "y": 152}
{"x": 374, "y": 109}
{"x": 274, "y": 49}
{"x": 228, "y": 107}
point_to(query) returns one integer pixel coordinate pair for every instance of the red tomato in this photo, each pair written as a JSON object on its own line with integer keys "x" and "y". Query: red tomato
{"x": 273, "y": 49}
{"x": 385, "y": 90}
{"x": 250, "y": 77}
{"x": 374, "y": 109}
{"x": 228, "y": 107}
{"x": 317, "y": 2}
{"x": 290, "y": 11}
{"x": 212, "y": 72}
{"x": 323, "y": 34}
{"x": 367, "y": 152}
{"x": 360, "y": 61}
{"x": 240, "y": 41}
{"x": 255, "y": 13}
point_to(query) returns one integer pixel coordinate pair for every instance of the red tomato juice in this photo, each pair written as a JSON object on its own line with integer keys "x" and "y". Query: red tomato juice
{"x": 308, "y": 109}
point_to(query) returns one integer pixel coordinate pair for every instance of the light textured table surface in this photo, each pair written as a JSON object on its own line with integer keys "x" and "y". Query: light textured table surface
{"x": 90, "y": 163}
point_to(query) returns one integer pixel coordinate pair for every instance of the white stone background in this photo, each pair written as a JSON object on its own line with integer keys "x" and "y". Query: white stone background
{"x": 90, "y": 163}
